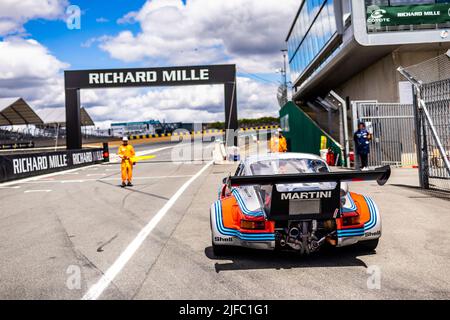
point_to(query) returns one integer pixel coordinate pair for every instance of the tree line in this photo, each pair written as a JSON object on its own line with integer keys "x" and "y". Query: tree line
{"x": 247, "y": 123}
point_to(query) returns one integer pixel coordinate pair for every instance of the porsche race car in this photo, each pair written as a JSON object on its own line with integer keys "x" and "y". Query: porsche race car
{"x": 291, "y": 201}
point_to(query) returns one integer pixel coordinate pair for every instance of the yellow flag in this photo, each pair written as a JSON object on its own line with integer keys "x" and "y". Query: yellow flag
{"x": 141, "y": 158}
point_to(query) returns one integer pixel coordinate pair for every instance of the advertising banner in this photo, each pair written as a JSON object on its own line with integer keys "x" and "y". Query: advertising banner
{"x": 408, "y": 15}
{"x": 170, "y": 76}
{"x": 19, "y": 166}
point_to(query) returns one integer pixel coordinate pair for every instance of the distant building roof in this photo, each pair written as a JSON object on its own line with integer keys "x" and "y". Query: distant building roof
{"x": 58, "y": 116}
{"x": 15, "y": 111}
{"x": 138, "y": 123}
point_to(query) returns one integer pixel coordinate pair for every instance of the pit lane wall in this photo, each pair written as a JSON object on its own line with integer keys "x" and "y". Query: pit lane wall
{"x": 303, "y": 134}
{"x": 19, "y": 166}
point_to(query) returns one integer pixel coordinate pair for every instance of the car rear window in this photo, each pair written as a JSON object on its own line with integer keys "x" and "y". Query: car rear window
{"x": 288, "y": 166}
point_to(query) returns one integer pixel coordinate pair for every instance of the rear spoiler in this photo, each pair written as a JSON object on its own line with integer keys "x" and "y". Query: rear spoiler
{"x": 381, "y": 175}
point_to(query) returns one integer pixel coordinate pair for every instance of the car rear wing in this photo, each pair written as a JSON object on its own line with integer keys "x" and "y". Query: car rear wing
{"x": 381, "y": 175}
{"x": 306, "y": 204}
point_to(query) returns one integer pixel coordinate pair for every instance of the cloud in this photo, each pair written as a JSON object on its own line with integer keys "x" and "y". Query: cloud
{"x": 14, "y": 14}
{"x": 202, "y": 32}
{"x": 187, "y": 104}
{"x": 40, "y": 81}
{"x": 249, "y": 33}
{"x": 29, "y": 70}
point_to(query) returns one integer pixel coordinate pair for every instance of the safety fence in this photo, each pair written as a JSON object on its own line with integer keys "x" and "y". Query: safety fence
{"x": 431, "y": 80}
{"x": 392, "y": 128}
{"x": 201, "y": 132}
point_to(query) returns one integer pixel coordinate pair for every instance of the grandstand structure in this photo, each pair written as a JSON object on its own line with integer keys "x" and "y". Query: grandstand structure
{"x": 21, "y": 126}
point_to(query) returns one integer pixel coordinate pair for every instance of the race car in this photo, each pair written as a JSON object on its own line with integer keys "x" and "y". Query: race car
{"x": 291, "y": 201}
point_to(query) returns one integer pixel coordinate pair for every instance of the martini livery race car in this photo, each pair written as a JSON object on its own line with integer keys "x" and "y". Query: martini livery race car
{"x": 292, "y": 201}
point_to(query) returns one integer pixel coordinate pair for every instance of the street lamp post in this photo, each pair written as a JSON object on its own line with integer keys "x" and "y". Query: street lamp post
{"x": 282, "y": 90}
{"x": 284, "y": 71}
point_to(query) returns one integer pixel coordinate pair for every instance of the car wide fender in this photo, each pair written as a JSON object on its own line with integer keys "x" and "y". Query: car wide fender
{"x": 219, "y": 238}
{"x": 372, "y": 228}
{"x": 370, "y": 217}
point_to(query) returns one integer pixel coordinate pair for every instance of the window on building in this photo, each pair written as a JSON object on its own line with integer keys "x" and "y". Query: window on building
{"x": 312, "y": 31}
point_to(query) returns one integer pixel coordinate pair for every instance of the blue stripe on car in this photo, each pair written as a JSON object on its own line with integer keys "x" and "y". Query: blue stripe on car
{"x": 367, "y": 226}
{"x": 373, "y": 215}
{"x": 244, "y": 209}
{"x": 352, "y": 205}
{"x": 236, "y": 233}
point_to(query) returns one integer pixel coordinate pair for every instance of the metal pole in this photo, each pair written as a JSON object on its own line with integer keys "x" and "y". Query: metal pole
{"x": 73, "y": 119}
{"x": 284, "y": 70}
{"x": 345, "y": 127}
{"x": 354, "y": 128}
{"x": 231, "y": 118}
{"x": 57, "y": 134}
{"x": 418, "y": 137}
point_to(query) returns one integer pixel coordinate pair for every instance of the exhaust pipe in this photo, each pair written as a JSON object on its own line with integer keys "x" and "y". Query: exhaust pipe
{"x": 294, "y": 232}
{"x": 282, "y": 242}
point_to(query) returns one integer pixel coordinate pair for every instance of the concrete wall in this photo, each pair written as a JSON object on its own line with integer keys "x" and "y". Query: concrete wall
{"x": 380, "y": 80}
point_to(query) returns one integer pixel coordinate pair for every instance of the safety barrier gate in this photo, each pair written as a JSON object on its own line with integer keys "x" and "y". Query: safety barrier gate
{"x": 392, "y": 129}
{"x": 431, "y": 82}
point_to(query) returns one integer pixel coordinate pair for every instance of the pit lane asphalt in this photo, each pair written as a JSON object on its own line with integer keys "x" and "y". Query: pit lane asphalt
{"x": 45, "y": 236}
{"x": 53, "y": 227}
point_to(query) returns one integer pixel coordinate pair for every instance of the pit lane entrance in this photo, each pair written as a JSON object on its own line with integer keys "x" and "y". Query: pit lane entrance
{"x": 75, "y": 80}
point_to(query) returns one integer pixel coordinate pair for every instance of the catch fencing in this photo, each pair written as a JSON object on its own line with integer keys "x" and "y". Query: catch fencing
{"x": 431, "y": 80}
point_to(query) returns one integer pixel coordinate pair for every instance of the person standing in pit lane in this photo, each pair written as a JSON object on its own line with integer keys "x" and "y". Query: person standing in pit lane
{"x": 362, "y": 139}
{"x": 278, "y": 143}
{"x": 126, "y": 154}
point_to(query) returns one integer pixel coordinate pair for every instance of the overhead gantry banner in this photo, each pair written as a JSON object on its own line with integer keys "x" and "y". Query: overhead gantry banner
{"x": 146, "y": 77}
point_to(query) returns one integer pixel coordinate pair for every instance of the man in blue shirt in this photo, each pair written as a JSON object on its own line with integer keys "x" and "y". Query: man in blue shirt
{"x": 362, "y": 139}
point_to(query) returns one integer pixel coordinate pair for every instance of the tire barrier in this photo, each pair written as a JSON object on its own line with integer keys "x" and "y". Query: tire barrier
{"x": 19, "y": 166}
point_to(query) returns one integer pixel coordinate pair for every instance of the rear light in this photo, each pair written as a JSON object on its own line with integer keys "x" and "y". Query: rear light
{"x": 253, "y": 225}
{"x": 349, "y": 219}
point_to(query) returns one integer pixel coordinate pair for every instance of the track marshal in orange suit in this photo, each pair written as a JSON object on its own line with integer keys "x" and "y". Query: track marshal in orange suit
{"x": 126, "y": 154}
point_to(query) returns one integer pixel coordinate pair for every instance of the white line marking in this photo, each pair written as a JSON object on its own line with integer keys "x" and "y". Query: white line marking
{"x": 13, "y": 187}
{"x": 95, "y": 174}
{"x": 104, "y": 179}
{"x": 34, "y": 191}
{"x": 97, "y": 289}
{"x": 44, "y": 176}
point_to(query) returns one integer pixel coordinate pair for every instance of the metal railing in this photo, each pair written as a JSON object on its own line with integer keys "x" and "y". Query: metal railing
{"x": 392, "y": 129}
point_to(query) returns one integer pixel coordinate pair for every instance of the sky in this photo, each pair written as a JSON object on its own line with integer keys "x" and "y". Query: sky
{"x": 39, "y": 39}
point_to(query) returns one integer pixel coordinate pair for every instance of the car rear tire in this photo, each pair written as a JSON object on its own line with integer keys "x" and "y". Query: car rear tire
{"x": 368, "y": 245}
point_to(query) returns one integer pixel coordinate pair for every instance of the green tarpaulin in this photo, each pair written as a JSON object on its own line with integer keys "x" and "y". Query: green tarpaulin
{"x": 303, "y": 134}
